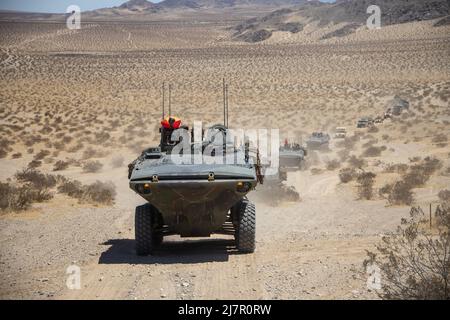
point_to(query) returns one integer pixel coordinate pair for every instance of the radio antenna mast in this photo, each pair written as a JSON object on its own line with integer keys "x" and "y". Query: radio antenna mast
{"x": 226, "y": 99}
{"x": 224, "y": 104}
{"x": 163, "y": 98}
{"x": 170, "y": 97}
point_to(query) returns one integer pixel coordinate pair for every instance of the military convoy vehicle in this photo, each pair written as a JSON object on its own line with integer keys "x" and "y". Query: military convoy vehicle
{"x": 291, "y": 156}
{"x": 340, "y": 133}
{"x": 318, "y": 140}
{"x": 364, "y": 122}
{"x": 189, "y": 199}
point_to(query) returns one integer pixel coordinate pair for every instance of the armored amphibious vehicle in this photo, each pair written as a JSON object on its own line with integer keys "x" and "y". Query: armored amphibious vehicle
{"x": 318, "y": 140}
{"x": 193, "y": 199}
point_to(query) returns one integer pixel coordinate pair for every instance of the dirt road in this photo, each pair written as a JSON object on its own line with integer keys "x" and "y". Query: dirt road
{"x": 310, "y": 249}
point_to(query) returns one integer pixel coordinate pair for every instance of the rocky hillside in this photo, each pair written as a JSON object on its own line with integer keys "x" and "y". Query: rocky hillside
{"x": 352, "y": 13}
{"x": 147, "y": 6}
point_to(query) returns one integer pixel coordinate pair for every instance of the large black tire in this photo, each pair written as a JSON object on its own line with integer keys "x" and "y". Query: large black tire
{"x": 157, "y": 238}
{"x": 143, "y": 230}
{"x": 246, "y": 228}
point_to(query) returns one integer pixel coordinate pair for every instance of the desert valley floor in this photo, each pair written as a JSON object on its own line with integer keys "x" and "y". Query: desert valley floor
{"x": 94, "y": 95}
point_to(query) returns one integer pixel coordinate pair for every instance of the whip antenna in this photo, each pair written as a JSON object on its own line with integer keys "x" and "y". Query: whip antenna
{"x": 163, "y": 98}
{"x": 170, "y": 97}
{"x": 226, "y": 99}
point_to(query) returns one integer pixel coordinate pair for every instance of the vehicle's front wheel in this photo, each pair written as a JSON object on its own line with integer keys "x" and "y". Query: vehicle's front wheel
{"x": 143, "y": 230}
{"x": 246, "y": 228}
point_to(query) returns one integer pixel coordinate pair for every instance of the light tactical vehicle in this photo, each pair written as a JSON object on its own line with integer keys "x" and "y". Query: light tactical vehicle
{"x": 340, "y": 133}
{"x": 194, "y": 200}
{"x": 364, "y": 122}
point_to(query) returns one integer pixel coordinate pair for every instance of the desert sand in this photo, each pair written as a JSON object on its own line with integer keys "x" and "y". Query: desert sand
{"x": 95, "y": 94}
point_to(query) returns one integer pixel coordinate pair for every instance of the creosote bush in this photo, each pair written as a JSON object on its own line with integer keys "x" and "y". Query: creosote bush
{"x": 444, "y": 196}
{"x": 60, "y": 165}
{"x": 333, "y": 164}
{"x": 400, "y": 192}
{"x": 33, "y": 186}
{"x": 414, "y": 262}
{"x": 347, "y": 174}
{"x": 97, "y": 192}
{"x": 373, "y": 151}
{"x": 355, "y": 162}
{"x": 365, "y": 185}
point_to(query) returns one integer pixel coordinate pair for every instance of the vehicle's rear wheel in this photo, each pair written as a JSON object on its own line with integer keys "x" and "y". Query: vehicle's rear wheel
{"x": 157, "y": 238}
{"x": 146, "y": 238}
{"x": 246, "y": 228}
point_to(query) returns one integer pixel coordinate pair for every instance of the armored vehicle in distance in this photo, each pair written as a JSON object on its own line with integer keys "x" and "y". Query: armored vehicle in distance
{"x": 318, "y": 140}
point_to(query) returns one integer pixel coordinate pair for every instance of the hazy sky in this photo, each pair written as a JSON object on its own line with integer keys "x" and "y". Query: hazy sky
{"x": 57, "y": 5}
{"x": 61, "y": 5}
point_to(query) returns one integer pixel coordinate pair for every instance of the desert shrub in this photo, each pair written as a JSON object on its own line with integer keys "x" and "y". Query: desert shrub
{"x": 415, "y": 159}
{"x": 37, "y": 193}
{"x": 446, "y": 171}
{"x": 439, "y": 138}
{"x": 58, "y": 145}
{"x": 355, "y": 162}
{"x": 72, "y": 188}
{"x": 420, "y": 173}
{"x": 444, "y": 195}
{"x": 3, "y": 153}
{"x": 17, "y": 198}
{"x": 385, "y": 190}
{"x": 102, "y": 137}
{"x": 365, "y": 185}
{"x": 17, "y": 155}
{"x": 333, "y": 164}
{"x": 60, "y": 165}
{"x": 414, "y": 262}
{"x": 41, "y": 155}
{"x": 34, "y": 164}
{"x": 373, "y": 129}
{"x": 347, "y": 174}
{"x": 369, "y": 143}
{"x": 66, "y": 139}
{"x": 13, "y": 198}
{"x": 316, "y": 171}
{"x": 89, "y": 153}
{"x": 373, "y": 151}
{"x": 398, "y": 193}
{"x": 36, "y": 178}
{"x": 92, "y": 166}
{"x": 117, "y": 162}
{"x": 75, "y": 148}
{"x": 5, "y": 147}
{"x": 400, "y": 168}
{"x": 99, "y": 192}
